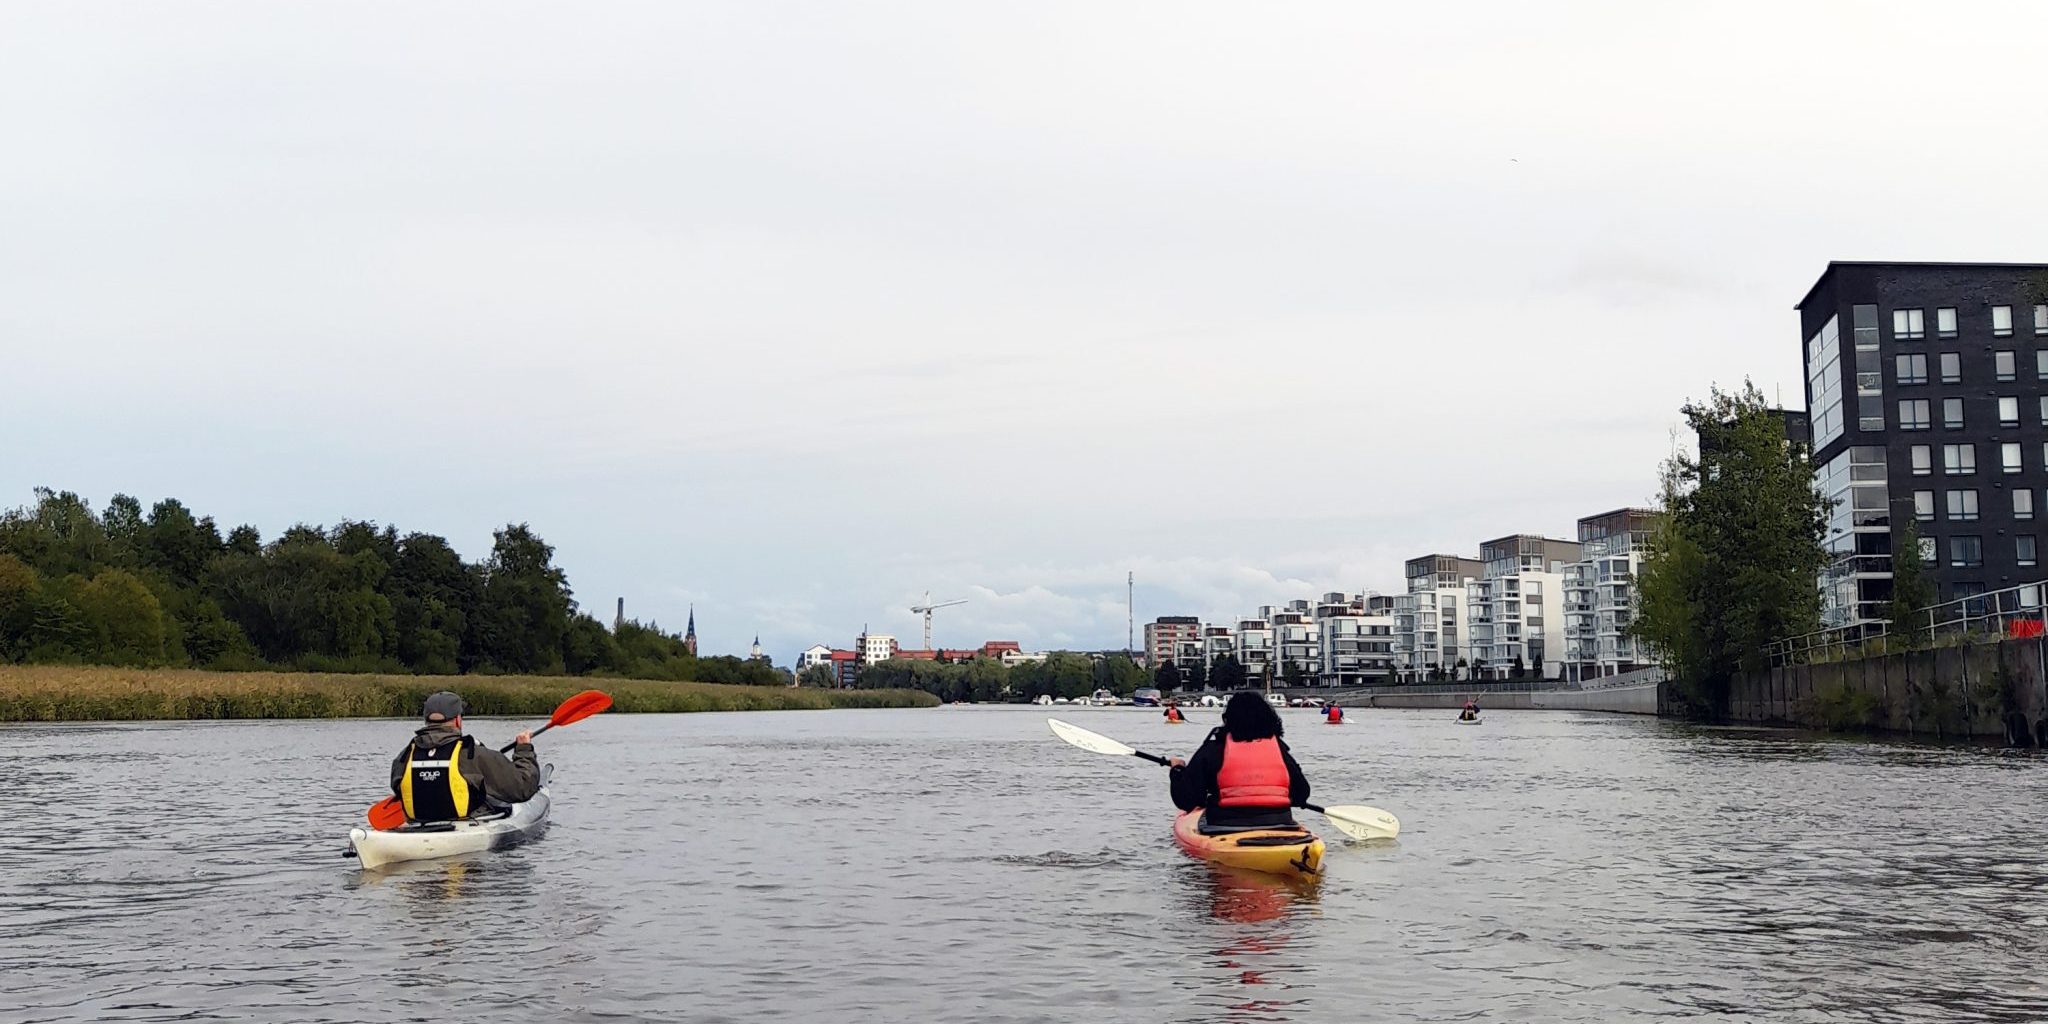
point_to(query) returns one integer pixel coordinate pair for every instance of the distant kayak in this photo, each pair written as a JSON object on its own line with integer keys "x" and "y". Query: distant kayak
{"x": 1468, "y": 721}
{"x": 1176, "y": 721}
{"x": 1293, "y": 853}
{"x": 376, "y": 848}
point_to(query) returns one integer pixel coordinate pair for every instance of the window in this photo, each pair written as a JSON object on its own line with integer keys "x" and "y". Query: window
{"x": 2044, "y": 410}
{"x": 1965, "y": 552}
{"x": 2004, "y": 365}
{"x": 2009, "y": 456}
{"x": 1945, "y": 321}
{"x": 2024, "y": 548}
{"x": 1909, "y": 324}
{"x": 2008, "y": 412}
{"x": 1913, "y": 368}
{"x": 1923, "y": 457}
{"x": 1957, "y": 459}
{"x": 1927, "y": 552}
{"x": 1952, "y": 413}
{"x": 2001, "y": 320}
{"x": 1951, "y": 368}
{"x": 1962, "y": 505}
{"x": 2023, "y": 503}
{"x": 1923, "y": 506}
{"x": 1913, "y": 414}
{"x": 2041, "y": 318}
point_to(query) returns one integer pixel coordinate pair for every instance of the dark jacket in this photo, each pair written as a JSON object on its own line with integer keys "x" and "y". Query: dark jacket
{"x": 502, "y": 780}
{"x": 1194, "y": 784}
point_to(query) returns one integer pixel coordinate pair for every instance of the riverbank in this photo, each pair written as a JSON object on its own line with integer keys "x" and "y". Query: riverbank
{"x": 63, "y": 693}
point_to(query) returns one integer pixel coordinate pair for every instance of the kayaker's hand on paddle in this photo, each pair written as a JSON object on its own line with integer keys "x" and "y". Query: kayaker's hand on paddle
{"x": 524, "y": 737}
{"x": 1175, "y": 762}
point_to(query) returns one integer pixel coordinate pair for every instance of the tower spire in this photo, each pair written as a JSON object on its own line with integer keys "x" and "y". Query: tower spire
{"x": 690, "y": 632}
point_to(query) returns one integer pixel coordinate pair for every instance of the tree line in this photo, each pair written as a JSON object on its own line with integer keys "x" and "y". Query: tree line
{"x": 1062, "y": 674}
{"x": 165, "y": 588}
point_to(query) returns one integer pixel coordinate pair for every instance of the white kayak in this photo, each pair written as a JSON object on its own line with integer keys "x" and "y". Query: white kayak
{"x": 1468, "y": 721}
{"x": 376, "y": 849}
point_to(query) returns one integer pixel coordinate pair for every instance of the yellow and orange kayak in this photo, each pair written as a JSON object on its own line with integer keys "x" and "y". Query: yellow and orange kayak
{"x": 1294, "y": 853}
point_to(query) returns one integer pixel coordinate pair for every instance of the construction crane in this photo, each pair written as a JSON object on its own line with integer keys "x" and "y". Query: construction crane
{"x": 926, "y": 609}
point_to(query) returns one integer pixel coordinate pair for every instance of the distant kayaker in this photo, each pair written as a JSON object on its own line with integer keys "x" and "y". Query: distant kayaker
{"x": 1173, "y": 713}
{"x": 482, "y": 779}
{"x": 1471, "y": 710}
{"x": 1243, "y": 775}
{"x": 1334, "y": 714}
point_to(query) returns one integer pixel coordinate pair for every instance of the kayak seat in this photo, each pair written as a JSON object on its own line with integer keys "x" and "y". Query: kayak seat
{"x": 1280, "y": 818}
{"x": 449, "y": 826}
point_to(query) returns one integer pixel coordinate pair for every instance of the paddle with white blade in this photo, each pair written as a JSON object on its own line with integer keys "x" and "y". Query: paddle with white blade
{"x": 1354, "y": 820}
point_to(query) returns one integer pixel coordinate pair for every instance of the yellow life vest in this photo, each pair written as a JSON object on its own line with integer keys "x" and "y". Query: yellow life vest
{"x": 432, "y": 788}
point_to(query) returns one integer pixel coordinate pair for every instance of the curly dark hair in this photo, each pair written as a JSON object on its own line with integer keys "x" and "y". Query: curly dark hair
{"x": 1248, "y": 717}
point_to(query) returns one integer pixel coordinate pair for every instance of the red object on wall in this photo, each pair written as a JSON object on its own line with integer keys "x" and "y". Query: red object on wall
{"x": 2025, "y": 629}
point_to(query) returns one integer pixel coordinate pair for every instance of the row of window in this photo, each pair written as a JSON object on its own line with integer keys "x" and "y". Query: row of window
{"x": 1961, "y": 459}
{"x": 1962, "y": 505}
{"x": 1917, "y": 413}
{"x": 1911, "y": 367}
{"x": 1911, "y": 324}
{"x": 1968, "y": 552}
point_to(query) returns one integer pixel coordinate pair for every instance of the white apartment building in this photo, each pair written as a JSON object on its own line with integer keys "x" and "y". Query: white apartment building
{"x": 1600, "y": 595}
{"x": 1297, "y": 639}
{"x": 1217, "y": 641}
{"x": 815, "y": 654}
{"x": 1357, "y": 639}
{"x": 1252, "y": 645}
{"x": 1429, "y": 620}
{"x": 1515, "y": 611}
{"x": 876, "y": 647}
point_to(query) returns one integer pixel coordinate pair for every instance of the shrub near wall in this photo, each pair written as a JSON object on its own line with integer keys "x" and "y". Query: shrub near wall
{"x": 47, "y": 693}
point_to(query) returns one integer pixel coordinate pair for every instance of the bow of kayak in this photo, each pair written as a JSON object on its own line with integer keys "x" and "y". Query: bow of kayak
{"x": 376, "y": 848}
{"x": 1293, "y": 853}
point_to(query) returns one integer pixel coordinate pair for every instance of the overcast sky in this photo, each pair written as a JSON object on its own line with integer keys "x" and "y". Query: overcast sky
{"x": 795, "y": 311}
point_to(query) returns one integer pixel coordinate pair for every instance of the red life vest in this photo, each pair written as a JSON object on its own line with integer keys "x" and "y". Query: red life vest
{"x": 1335, "y": 715}
{"x": 1254, "y": 774}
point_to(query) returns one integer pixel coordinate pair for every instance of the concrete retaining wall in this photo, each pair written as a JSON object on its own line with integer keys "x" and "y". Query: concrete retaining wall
{"x": 1640, "y": 699}
{"x": 1992, "y": 690}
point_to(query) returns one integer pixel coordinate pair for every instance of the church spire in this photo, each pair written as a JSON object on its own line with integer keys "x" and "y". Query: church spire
{"x": 690, "y": 632}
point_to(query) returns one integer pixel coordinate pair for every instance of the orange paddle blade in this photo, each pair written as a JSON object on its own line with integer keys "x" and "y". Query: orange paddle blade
{"x": 387, "y": 814}
{"x": 580, "y": 707}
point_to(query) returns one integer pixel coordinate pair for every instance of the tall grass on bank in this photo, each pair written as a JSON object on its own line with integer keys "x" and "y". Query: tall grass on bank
{"x": 53, "y": 693}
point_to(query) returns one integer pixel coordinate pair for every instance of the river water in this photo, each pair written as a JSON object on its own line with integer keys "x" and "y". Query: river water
{"x": 960, "y": 864}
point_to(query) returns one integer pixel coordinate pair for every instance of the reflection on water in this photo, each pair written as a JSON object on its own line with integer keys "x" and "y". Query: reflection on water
{"x": 960, "y": 864}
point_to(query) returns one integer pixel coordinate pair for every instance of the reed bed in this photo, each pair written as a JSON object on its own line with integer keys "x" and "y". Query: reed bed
{"x": 53, "y": 693}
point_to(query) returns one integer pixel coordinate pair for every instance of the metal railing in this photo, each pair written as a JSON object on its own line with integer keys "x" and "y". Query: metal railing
{"x": 2015, "y": 611}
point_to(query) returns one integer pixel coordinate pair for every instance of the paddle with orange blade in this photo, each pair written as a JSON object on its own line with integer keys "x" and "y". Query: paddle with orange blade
{"x": 389, "y": 813}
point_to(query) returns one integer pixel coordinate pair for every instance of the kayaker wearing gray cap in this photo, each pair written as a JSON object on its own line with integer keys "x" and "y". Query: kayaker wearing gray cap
{"x": 482, "y": 778}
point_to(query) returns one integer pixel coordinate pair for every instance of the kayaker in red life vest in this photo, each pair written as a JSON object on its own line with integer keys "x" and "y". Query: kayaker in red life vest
{"x": 1471, "y": 710}
{"x": 482, "y": 778}
{"x": 1243, "y": 775}
{"x": 1334, "y": 713}
{"x": 1173, "y": 713}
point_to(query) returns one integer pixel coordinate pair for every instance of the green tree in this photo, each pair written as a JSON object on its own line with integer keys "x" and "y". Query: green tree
{"x": 1731, "y": 568}
{"x": 523, "y": 614}
{"x": 125, "y": 619}
{"x": 20, "y": 589}
{"x": 1227, "y": 674}
{"x": 818, "y": 677}
{"x": 1197, "y": 677}
{"x": 1166, "y": 677}
{"x": 1912, "y": 587}
{"x": 1295, "y": 674}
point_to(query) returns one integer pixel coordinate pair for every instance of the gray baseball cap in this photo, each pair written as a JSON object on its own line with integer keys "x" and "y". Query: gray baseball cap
{"x": 442, "y": 706}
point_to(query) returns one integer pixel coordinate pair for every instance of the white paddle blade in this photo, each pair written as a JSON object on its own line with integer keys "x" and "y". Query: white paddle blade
{"x": 1092, "y": 741}
{"x": 1360, "y": 822}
